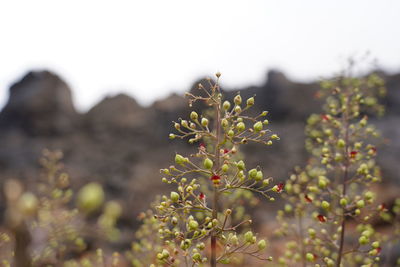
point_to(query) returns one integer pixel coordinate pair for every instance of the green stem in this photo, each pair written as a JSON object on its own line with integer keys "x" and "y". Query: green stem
{"x": 213, "y": 261}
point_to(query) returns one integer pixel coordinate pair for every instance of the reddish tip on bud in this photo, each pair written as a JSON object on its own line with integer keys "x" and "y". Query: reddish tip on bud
{"x": 382, "y": 207}
{"x": 321, "y": 218}
{"x": 324, "y": 117}
{"x": 226, "y": 151}
{"x": 378, "y": 249}
{"x": 202, "y": 146}
{"x": 202, "y": 196}
{"x": 307, "y": 198}
{"x": 280, "y": 187}
{"x": 216, "y": 179}
{"x": 353, "y": 154}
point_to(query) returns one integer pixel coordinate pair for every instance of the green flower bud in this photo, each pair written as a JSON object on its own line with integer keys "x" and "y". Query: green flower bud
{"x": 288, "y": 208}
{"x": 235, "y": 240}
{"x": 274, "y": 137}
{"x": 357, "y": 212}
{"x": 363, "y": 240}
{"x": 208, "y": 164}
{"x": 258, "y": 126}
{"x": 376, "y": 244}
{"x": 253, "y": 173}
{"x": 259, "y": 176}
{"x": 240, "y": 126}
{"x": 248, "y": 237}
{"x": 266, "y": 122}
{"x": 369, "y": 195}
{"x": 172, "y": 136}
{"x": 201, "y": 246}
{"x": 322, "y": 182}
{"x": 310, "y": 257}
{"x": 165, "y": 253}
{"x": 343, "y": 202}
{"x": 193, "y": 225}
{"x": 325, "y": 205}
{"x": 360, "y": 204}
{"x": 231, "y": 133}
{"x": 240, "y": 165}
{"x": 341, "y": 143}
{"x": 262, "y": 244}
{"x": 250, "y": 101}
{"x": 225, "y": 167}
{"x": 226, "y": 105}
{"x": 196, "y": 257}
{"x": 184, "y": 123}
{"x": 179, "y": 159}
{"x": 265, "y": 182}
{"x": 224, "y": 123}
{"x": 312, "y": 232}
{"x": 90, "y": 197}
{"x": 174, "y": 196}
{"x": 204, "y": 122}
{"x": 238, "y": 109}
{"x": 194, "y": 116}
{"x": 237, "y": 100}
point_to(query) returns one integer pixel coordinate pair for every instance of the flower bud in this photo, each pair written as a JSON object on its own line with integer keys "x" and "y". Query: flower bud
{"x": 274, "y": 137}
{"x": 172, "y": 136}
{"x": 376, "y": 244}
{"x": 363, "y": 240}
{"x": 240, "y": 126}
{"x": 165, "y": 253}
{"x": 225, "y": 167}
{"x": 90, "y": 197}
{"x": 179, "y": 159}
{"x": 196, "y": 256}
{"x": 248, "y": 237}
{"x": 250, "y": 101}
{"x": 266, "y": 122}
{"x": 238, "y": 109}
{"x": 208, "y": 164}
{"x": 193, "y": 225}
{"x": 235, "y": 240}
{"x": 325, "y": 205}
{"x": 237, "y": 100}
{"x": 341, "y": 143}
{"x": 343, "y": 202}
{"x": 258, "y": 126}
{"x": 253, "y": 173}
{"x": 262, "y": 244}
{"x": 184, "y": 123}
{"x": 312, "y": 232}
{"x": 28, "y": 203}
{"x": 174, "y": 196}
{"x": 240, "y": 165}
{"x": 226, "y": 105}
{"x": 360, "y": 204}
{"x": 231, "y": 133}
{"x": 310, "y": 257}
{"x": 259, "y": 176}
{"x": 194, "y": 116}
{"x": 224, "y": 123}
{"x": 204, "y": 122}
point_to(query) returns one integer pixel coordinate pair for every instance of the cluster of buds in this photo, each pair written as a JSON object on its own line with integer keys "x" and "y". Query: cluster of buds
{"x": 335, "y": 184}
{"x": 201, "y": 211}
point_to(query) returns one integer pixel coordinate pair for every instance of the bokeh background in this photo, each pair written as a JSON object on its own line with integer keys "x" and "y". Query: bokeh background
{"x": 102, "y": 81}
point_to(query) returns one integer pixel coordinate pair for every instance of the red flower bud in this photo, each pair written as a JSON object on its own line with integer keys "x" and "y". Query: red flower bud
{"x": 216, "y": 179}
{"x": 353, "y": 154}
{"x": 324, "y": 117}
{"x": 308, "y": 199}
{"x": 321, "y": 218}
{"x": 202, "y": 196}
{"x": 280, "y": 187}
{"x": 226, "y": 151}
{"x": 379, "y": 249}
{"x": 382, "y": 207}
{"x": 202, "y": 146}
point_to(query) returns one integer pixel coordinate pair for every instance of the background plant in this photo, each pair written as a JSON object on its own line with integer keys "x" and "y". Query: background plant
{"x": 333, "y": 191}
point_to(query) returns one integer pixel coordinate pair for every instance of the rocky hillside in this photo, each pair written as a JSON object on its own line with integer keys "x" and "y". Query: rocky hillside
{"x": 123, "y": 144}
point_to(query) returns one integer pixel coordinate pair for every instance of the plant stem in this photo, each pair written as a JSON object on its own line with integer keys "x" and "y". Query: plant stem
{"x": 303, "y": 251}
{"x": 213, "y": 261}
{"x": 345, "y": 177}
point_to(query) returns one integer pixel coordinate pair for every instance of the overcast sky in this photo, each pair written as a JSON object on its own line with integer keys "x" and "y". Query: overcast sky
{"x": 150, "y": 48}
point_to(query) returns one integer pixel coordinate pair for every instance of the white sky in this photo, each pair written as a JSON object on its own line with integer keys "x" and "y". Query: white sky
{"x": 149, "y": 48}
